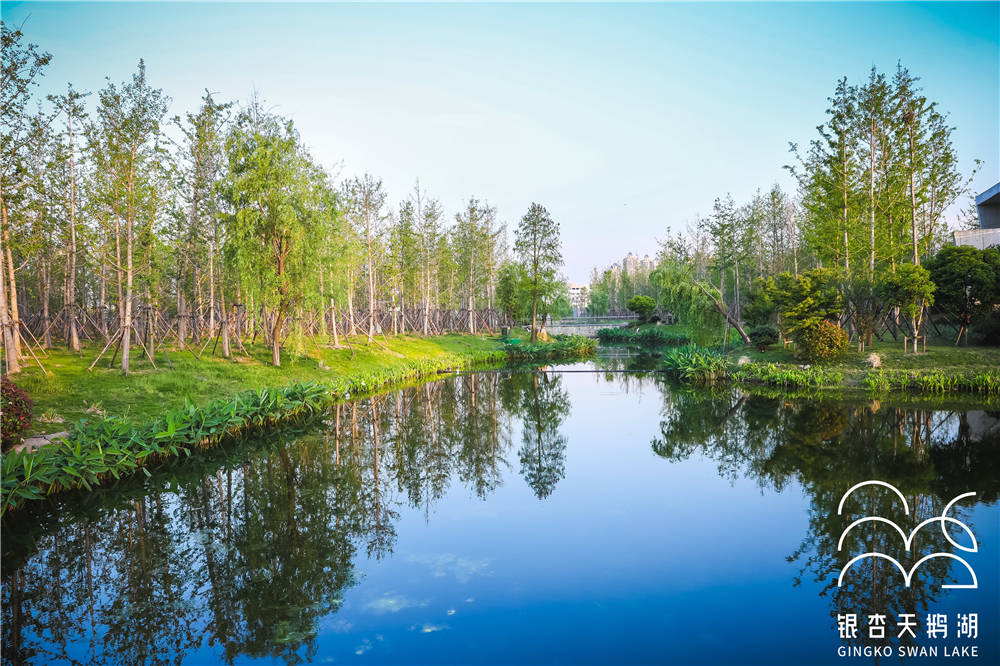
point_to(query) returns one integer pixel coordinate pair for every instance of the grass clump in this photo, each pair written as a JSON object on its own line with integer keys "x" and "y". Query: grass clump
{"x": 647, "y": 337}
{"x": 561, "y": 346}
{"x": 787, "y": 376}
{"x": 985, "y": 382}
{"x": 695, "y": 364}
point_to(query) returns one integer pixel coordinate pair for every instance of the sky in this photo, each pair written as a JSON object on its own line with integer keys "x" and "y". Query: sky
{"x": 624, "y": 120}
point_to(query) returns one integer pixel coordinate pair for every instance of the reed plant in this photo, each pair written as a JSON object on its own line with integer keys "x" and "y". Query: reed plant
{"x": 787, "y": 376}
{"x": 647, "y": 337}
{"x": 695, "y": 364}
{"x": 984, "y": 382}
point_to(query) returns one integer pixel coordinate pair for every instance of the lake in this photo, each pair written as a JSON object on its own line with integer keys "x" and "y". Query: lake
{"x": 584, "y": 513}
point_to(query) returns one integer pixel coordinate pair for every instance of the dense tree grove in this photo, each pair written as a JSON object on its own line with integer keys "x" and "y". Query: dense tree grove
{"x": 134, "y": 229}
{"x": 873, "y": 189}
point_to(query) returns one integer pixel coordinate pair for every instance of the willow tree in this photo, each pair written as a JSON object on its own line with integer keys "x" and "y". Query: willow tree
{"x": 270, "y": 225}
{"x": 698, "y": 303}
{"x": 539, "y": 248}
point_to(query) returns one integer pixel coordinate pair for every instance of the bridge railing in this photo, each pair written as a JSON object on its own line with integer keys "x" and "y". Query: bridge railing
{"x": 592, "y": 321}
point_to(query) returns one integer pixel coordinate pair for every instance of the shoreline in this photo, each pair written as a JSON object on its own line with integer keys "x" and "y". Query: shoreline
{"x": 106, "y": 449}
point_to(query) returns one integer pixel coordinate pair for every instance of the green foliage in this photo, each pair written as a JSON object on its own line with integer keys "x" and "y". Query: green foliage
{"x": 278, "y": 204}
{"x": 803, "y": 301}
{"x": 695, "y": 364}
{"x": 987, "y": 330}
{"x": 642, "y": 306}
{"x": 600, "y": 300}
{"x": 986, "y": 382}
{"x": 787, "y": 376}
{"x": 509, "y": 290}
{"x": 98, "y": 451}
{"x": 821, "y": 343}
{"x": 539, "y": 250}
{"x": 911, "y": 290}
{"x": 764, "y": 335}
{"x": 691, "y": 300}
{"x": 564, "y": 346}
{"x": 15, "y": 412}
{"x": 647, "y": 337}
{"x": 760, "y": 309}
{"x": 967, "y": 281}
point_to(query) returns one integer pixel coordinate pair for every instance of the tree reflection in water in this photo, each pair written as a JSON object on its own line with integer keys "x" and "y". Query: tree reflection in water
{"x": 243, "y": 550}
{"x": 247, "y": 550}
{"x": 829, "y": 446}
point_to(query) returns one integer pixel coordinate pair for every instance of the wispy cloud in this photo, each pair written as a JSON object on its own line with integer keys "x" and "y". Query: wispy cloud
{"x": 391, "y": 603}
{"x": 448, "y": 564}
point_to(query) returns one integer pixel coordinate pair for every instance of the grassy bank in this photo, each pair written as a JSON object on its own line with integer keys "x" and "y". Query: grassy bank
{"x": 941, "y": 369}
{"x": 70, "y": 393}
{"x": 166, "y": 414}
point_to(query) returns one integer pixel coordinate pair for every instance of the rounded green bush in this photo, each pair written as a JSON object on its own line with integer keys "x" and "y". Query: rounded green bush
{"x": 821, "y": 343}
{"x": 764, "y": 336}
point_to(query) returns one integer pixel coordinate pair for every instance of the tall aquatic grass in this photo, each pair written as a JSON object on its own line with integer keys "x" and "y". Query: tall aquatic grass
{"x": 985, "y": 382}
{"x": 695, "y": 364}
{"x": 647, "y": 337}
{"x": 563, "y": 346}
{"x": 787, "y": 376}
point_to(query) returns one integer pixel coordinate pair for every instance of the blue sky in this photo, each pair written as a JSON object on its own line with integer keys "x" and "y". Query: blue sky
{"x": 624, "y": 120}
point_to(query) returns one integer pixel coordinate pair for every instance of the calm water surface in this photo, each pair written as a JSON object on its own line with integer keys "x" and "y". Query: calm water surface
{"x": 549, "y": 516}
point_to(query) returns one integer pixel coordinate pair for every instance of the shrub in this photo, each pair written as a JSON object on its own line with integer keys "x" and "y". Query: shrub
{"x": 821, "y": 342}
{"x": 642, "y": 306}
{"x": 764, "y": 336}
{"x": 16, "y": 410}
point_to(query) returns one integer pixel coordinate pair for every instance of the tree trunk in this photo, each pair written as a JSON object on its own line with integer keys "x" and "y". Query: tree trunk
{"x": 211, "y": 290}
{"x": 279, "y": 320}
{"x": 913, "y": 199}
{"x": 9, "y": 347}
{"x": 74, "y": 337}
{"x": 225, "y": 323}
{"x": 46, "y": 288}
{"x": 15, "y": 318}
{"x": 871, "y": 202}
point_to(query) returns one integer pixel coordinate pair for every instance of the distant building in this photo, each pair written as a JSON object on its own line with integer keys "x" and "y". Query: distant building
{"x": 630, "y": 264}
{"x": 578, "y": 298}
{"x": 647, "y": 264}
{"x": 988, "y": 233}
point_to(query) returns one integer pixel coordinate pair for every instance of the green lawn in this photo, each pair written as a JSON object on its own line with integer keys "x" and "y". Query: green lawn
{"x": 69, "y": 392}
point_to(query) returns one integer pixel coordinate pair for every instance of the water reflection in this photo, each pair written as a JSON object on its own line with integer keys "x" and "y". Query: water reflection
{"x": 250, "y": 555}
{"x": 827, "y": 447}
{"x": 250, "y": 550}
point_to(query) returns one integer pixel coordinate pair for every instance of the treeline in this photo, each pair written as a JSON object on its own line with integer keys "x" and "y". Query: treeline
{"x": 612, "y": 288}
{"x": 129, "y": 226}
{"x": 873, "y": 189}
